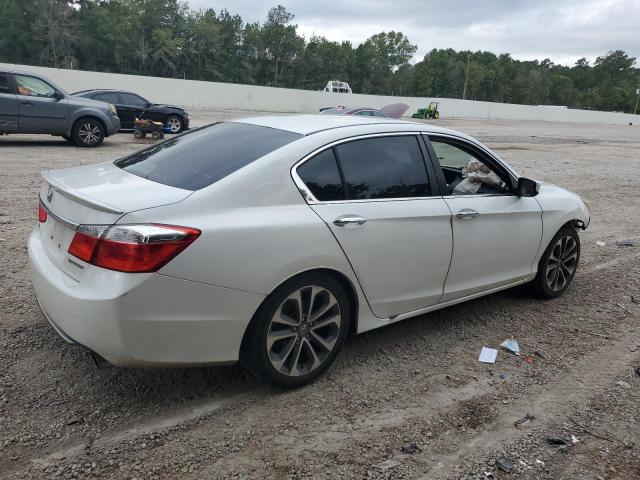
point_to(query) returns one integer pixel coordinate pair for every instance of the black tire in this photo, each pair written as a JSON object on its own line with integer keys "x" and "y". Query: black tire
{"x": 562, "y": 271}
{"x": 87, "y": 132}
{"x": 157, "y": 135}
{"x": 256, "y": 356}
{"x": 139, "y": 133}
{"x": 174, "y": 123}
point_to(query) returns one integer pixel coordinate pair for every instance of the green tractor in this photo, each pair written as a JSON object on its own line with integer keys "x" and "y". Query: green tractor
{"x": 430, "y": 112}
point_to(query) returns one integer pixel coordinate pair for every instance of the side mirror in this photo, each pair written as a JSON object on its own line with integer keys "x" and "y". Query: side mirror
{"x": 57, "y": 95}
{"x": 527, "y": 187}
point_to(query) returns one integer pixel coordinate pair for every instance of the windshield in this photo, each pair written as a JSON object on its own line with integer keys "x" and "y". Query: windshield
{"x": 201, "y": 157}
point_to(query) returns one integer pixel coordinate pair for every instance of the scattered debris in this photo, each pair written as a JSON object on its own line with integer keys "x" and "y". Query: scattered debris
{"x": 528, "y": 359}
{"x": 503, "y": 376}
{"x": 625, "y": 243}
{"x": 74, "y": 420}
{"x": 488, "y": 355}
{"x": 574, "y": 439}
{"x": 505, "y": 464}
{"x": 635, "y": 299}
{"x": 387, "y": 465}
{"x": 623, "y": 384}
{"x": 600, "y": 243}
{"x": 410, "y": 448}
{"x": 555, "y": 440}
{"x": 511, "y": 345}
{"x": 539, "y": 462}
{"x": 527, "y": 418}
{"x": 634, "y": 348}
{"x": 542, "y": 356}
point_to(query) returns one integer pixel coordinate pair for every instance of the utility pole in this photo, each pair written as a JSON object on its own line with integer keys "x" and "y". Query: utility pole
{"x": 466, "y": 78}
{"x": 635, "y": 110}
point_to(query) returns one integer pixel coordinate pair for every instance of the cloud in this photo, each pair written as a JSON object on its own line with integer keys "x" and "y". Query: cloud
{"x": 561, "y": 30}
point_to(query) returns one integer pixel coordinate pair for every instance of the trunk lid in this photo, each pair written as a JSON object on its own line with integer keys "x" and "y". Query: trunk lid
{"x": 93, "y": 195}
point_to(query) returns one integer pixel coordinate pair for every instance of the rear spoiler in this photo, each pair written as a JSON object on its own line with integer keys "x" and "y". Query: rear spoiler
{"x": 64, "y": 190}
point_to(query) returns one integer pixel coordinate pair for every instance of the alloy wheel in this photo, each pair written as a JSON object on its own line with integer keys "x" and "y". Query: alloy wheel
{"x": 562, "y": 263}
{"x": 174, "y": 124}
{"x": 303, "y": 331}
{"x": 89, "y": 133}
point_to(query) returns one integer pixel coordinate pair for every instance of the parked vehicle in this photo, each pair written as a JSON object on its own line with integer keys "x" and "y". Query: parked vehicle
{"x": 289, "y": 235}
{"x": 141, "y": 127}
{"x": 336, "y": 86}
{"x": 31, "y": 103}
{"x": 131, "y": 106}
{"x": 395, "y": 110}
{"x": 429, "y": 112}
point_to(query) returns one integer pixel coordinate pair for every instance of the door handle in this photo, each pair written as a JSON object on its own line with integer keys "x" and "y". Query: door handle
{"x": 349, "y": 219}
{"x": 26, "y": 102}
{"x": 467, "y": 213}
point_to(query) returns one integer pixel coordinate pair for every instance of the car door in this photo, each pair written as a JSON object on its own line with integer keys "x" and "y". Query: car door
{"x": 496, "y": 233}
{"x": 114, "y": 99}
{"x": 8, "y": 105}
{"x": 40, "y": 110}
{"x": 132, "y": 107}
{"x": 382, "y": 206}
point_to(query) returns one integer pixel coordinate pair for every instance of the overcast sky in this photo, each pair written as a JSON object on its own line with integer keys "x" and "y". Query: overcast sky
{"x": 562, "y": 30}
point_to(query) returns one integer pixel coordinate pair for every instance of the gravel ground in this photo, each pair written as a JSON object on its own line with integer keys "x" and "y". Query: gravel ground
{"x": 406, "y": 401}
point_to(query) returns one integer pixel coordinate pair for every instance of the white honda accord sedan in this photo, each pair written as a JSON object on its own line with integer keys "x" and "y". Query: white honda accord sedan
{"x": 270, "y": 240}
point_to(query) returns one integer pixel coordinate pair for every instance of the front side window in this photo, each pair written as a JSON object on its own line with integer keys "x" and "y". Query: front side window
{"x": 33, "y": 87}
{"x": 383, "y": 167}
{"x": 201, "y": 157}
{"x": 465, "y": 172}
{"x": 322, "y": 176}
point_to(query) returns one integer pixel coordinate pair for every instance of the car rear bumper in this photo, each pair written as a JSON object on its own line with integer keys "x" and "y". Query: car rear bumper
{"x": 141, "y": 319}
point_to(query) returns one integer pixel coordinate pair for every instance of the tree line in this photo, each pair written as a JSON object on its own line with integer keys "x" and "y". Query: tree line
{"x": 166, "y": 38}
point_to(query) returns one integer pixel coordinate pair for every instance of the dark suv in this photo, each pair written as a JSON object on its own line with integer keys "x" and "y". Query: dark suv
{"x": 31, "y": 103}
{"x": 131, "y": 106}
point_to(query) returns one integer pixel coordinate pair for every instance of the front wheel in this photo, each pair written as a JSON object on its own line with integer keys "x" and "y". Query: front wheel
{"x": 174, "y": 124}
{"x": 87, "y": 132}
{"x": 298, "y": 331}
{"x": 558, "y": 264}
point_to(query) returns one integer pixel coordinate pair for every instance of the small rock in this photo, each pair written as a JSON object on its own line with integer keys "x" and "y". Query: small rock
{"x": 505, "y": 464}
{"x": 555, "y": 440}
{"x": 410, "y": 448}
{"x": 623, "y": 384}
{"x": 387, "y": 465}
{"x": 74, "y": 420}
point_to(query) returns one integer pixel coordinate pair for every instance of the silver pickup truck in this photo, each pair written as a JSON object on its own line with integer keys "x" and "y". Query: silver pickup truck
{"x": 31, "y": 103}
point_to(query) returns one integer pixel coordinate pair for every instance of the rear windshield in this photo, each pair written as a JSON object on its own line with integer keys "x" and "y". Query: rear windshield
{"x": 201, "y": 157}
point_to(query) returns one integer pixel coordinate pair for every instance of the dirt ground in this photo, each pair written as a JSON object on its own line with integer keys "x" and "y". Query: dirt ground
{"x": 407, "y": 401}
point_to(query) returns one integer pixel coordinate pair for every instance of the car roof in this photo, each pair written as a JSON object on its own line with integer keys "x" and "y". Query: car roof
{"x": 105, "y": 90}
{"x": 309, "y": 124}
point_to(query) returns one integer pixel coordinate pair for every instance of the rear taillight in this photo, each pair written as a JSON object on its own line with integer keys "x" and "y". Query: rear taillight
{"x": 42, "y": 213}
{"x": 131, "y": 248}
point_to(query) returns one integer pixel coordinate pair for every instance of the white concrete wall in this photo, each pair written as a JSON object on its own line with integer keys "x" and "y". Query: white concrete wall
{"x": 227, "y": 96}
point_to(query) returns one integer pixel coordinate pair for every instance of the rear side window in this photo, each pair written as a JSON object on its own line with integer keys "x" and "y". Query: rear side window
{"x": 321, "y": 175}
{"x": 133, "y": 100}
{"x": 384, "y": 167}
{"x": 4, "y": 83}
{"x": 108, "y": 97}
{"x": 201, "y": 157}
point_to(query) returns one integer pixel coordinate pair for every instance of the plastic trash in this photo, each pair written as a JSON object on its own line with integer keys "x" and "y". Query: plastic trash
{"x": 600, "y": 243}
{"x": 511, "y": 345}
{"x": 488, "y": 355}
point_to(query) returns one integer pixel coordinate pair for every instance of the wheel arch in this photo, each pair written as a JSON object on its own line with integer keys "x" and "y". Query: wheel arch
{"x": 337, "y": 275}
{"x": 87, "y": 115}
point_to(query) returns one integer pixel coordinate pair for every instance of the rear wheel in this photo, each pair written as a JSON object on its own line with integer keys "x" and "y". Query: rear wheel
{"x": 558, "y": 264}
{"x": 298, "y": 331}
{"x": 88, "y": 132}
{"x": 174, "y": 124}
{"x": 139, "y": 133}
{"x": 436, "y": 115}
